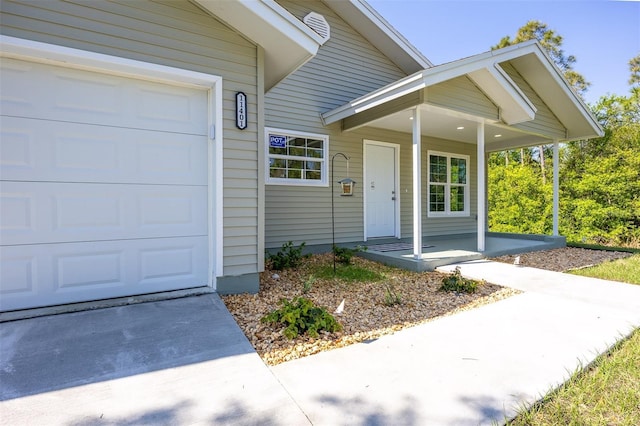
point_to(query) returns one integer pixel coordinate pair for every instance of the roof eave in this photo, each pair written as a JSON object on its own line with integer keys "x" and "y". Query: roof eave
{"x": 287, "y": 42}
{"x": 364, "y": 18}
{"x": 491, "y": 79}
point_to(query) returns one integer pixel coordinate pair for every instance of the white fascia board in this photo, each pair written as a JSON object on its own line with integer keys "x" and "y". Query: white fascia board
{"x": 287, "y": 42}
{"x": 385, "y": 94}
{"x": 570, "y": 103}
{"x": 364, "y": 18}
{"x": 570, "y": 106}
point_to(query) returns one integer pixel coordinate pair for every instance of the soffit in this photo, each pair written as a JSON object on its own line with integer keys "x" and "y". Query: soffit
{"x": 287, "y": 42}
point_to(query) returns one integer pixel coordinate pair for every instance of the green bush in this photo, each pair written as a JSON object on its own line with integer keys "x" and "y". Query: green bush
{"x": 456, "y": 282}
{"x": 289, "y": 256}
{"x": 344, "y": 254}
{"x": 301, "y": 316}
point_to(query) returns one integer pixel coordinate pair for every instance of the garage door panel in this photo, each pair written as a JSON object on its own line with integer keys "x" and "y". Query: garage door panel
{"x": 104, "y": 184}
{"x": 36, "y": 213}
{"x": 67, "y": 152}
{"x": 39, "y": 275}
{"x": 71, "y": 95}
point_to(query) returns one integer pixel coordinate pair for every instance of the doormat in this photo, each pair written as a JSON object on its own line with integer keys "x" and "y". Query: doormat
{"x": 395, "y": 247}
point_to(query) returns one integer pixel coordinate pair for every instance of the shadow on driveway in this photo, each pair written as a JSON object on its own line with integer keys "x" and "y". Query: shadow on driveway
{"x": 56, "y": 352}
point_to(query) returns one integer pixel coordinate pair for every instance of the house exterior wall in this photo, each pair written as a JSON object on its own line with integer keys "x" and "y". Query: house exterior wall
{"x": 174, "y": 33}
{"x": 347, "y": 66}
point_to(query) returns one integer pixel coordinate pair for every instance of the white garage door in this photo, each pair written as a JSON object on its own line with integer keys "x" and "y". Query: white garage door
{"x": 103, "y": 186}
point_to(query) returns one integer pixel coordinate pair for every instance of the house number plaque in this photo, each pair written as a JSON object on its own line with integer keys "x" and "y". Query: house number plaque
{"x": 241, "y": 110}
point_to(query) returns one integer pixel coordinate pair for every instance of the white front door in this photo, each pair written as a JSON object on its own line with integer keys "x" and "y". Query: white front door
{"x": 380, "y": 188}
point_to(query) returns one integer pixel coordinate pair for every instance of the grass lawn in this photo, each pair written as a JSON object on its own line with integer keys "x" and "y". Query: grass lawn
{"x": 607, "y": 393}
{"x": 625, "y": 270}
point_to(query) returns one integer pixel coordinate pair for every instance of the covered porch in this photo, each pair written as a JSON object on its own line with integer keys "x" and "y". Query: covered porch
{"x": 505, "y": 99}
{"x": 445, "y": 250}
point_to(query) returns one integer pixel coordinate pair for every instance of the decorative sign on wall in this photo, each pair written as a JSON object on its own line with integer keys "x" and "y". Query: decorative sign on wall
{"x": 241, "y": 111}
{"x": 277, "y": 141}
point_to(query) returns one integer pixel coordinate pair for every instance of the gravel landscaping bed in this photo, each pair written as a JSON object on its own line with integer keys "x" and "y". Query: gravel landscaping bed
{"x": 366, "y": 316}
{"x": 564, "y": 259}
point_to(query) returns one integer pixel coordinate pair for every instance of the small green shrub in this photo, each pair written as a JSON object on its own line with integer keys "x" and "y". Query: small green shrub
{"x": 344, "y": 254}
{"x": 289, "y": 256}
{"x": 301, "y": 316}
{"x": 306, "y": 286}
{"x": 456, "y": 282}
{"x": 391, "y": 297}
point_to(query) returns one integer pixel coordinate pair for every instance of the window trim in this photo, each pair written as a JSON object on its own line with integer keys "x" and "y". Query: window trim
{"x": 447, "y": 199}
{"x": 324, "y": 169}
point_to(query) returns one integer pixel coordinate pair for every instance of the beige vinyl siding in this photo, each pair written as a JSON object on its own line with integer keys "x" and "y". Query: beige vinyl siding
{"x": 347, "y": 66}
{"x": 174, "y": 33}
{"x": 461, "y": 94}
{"x": 545, "y": 122}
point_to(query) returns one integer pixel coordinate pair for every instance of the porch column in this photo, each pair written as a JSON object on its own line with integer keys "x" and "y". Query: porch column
{"x": 482, "y": 215}
{"x": 417, "y": 186}
{"x": 556, "y": 186}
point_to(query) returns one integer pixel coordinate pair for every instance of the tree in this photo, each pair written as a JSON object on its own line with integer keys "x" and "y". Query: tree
{"x": 634, "y": 67}
{"x": 600, "y": 179}
{"x": 517, "y": 202}
{"x": 552, "y": 43}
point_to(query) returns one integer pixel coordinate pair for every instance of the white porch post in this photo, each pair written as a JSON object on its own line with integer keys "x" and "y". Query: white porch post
{"x": 417, "y": 187}
{"x": 482, "y": 218}
{"x": 556, "y": 186}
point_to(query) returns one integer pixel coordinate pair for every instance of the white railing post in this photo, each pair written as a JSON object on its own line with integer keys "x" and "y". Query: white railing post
{"x": 417, "y": 185}
{"x": 482, "y": 219}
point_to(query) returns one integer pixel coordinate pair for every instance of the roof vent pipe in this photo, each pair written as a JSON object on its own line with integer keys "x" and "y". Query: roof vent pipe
{"x": 317, "y": 23}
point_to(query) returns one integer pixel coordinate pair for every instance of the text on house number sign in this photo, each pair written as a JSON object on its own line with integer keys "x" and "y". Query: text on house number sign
{"x": 241, "y": 111}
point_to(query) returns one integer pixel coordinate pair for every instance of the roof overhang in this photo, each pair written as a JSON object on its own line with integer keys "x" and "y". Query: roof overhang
{"x": 287, "y": 42}
{"x": 492, "y": 80}
{"x": 364, "y": 19}
{"x": 530, "y": 61}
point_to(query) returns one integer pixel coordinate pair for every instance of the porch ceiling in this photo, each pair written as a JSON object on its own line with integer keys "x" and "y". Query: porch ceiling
{"x": 441, "y": 123}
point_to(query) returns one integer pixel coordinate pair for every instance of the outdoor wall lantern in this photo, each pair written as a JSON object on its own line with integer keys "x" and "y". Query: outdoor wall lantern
{"x": 347, "y": 186}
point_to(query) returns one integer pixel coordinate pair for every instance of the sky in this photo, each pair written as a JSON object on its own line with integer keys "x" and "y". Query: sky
{"x": 602, "y": 35}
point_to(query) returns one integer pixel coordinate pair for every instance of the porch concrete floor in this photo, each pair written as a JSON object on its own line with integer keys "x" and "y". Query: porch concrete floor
{"x": 440, "y": 251}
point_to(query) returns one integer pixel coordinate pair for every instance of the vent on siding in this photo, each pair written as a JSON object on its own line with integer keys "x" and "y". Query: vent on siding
{"x": 317, "y": 23}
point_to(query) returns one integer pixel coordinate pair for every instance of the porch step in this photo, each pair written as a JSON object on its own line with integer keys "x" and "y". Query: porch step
{"x": 429, "y": 262}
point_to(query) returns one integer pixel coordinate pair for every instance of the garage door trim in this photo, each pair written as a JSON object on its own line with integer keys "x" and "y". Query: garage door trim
{"x": 16, "y": 48}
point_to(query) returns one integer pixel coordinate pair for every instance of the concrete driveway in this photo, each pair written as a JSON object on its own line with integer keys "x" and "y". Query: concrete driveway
{"x": 182, "y": 361}
{"x": 185, "y": 361}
